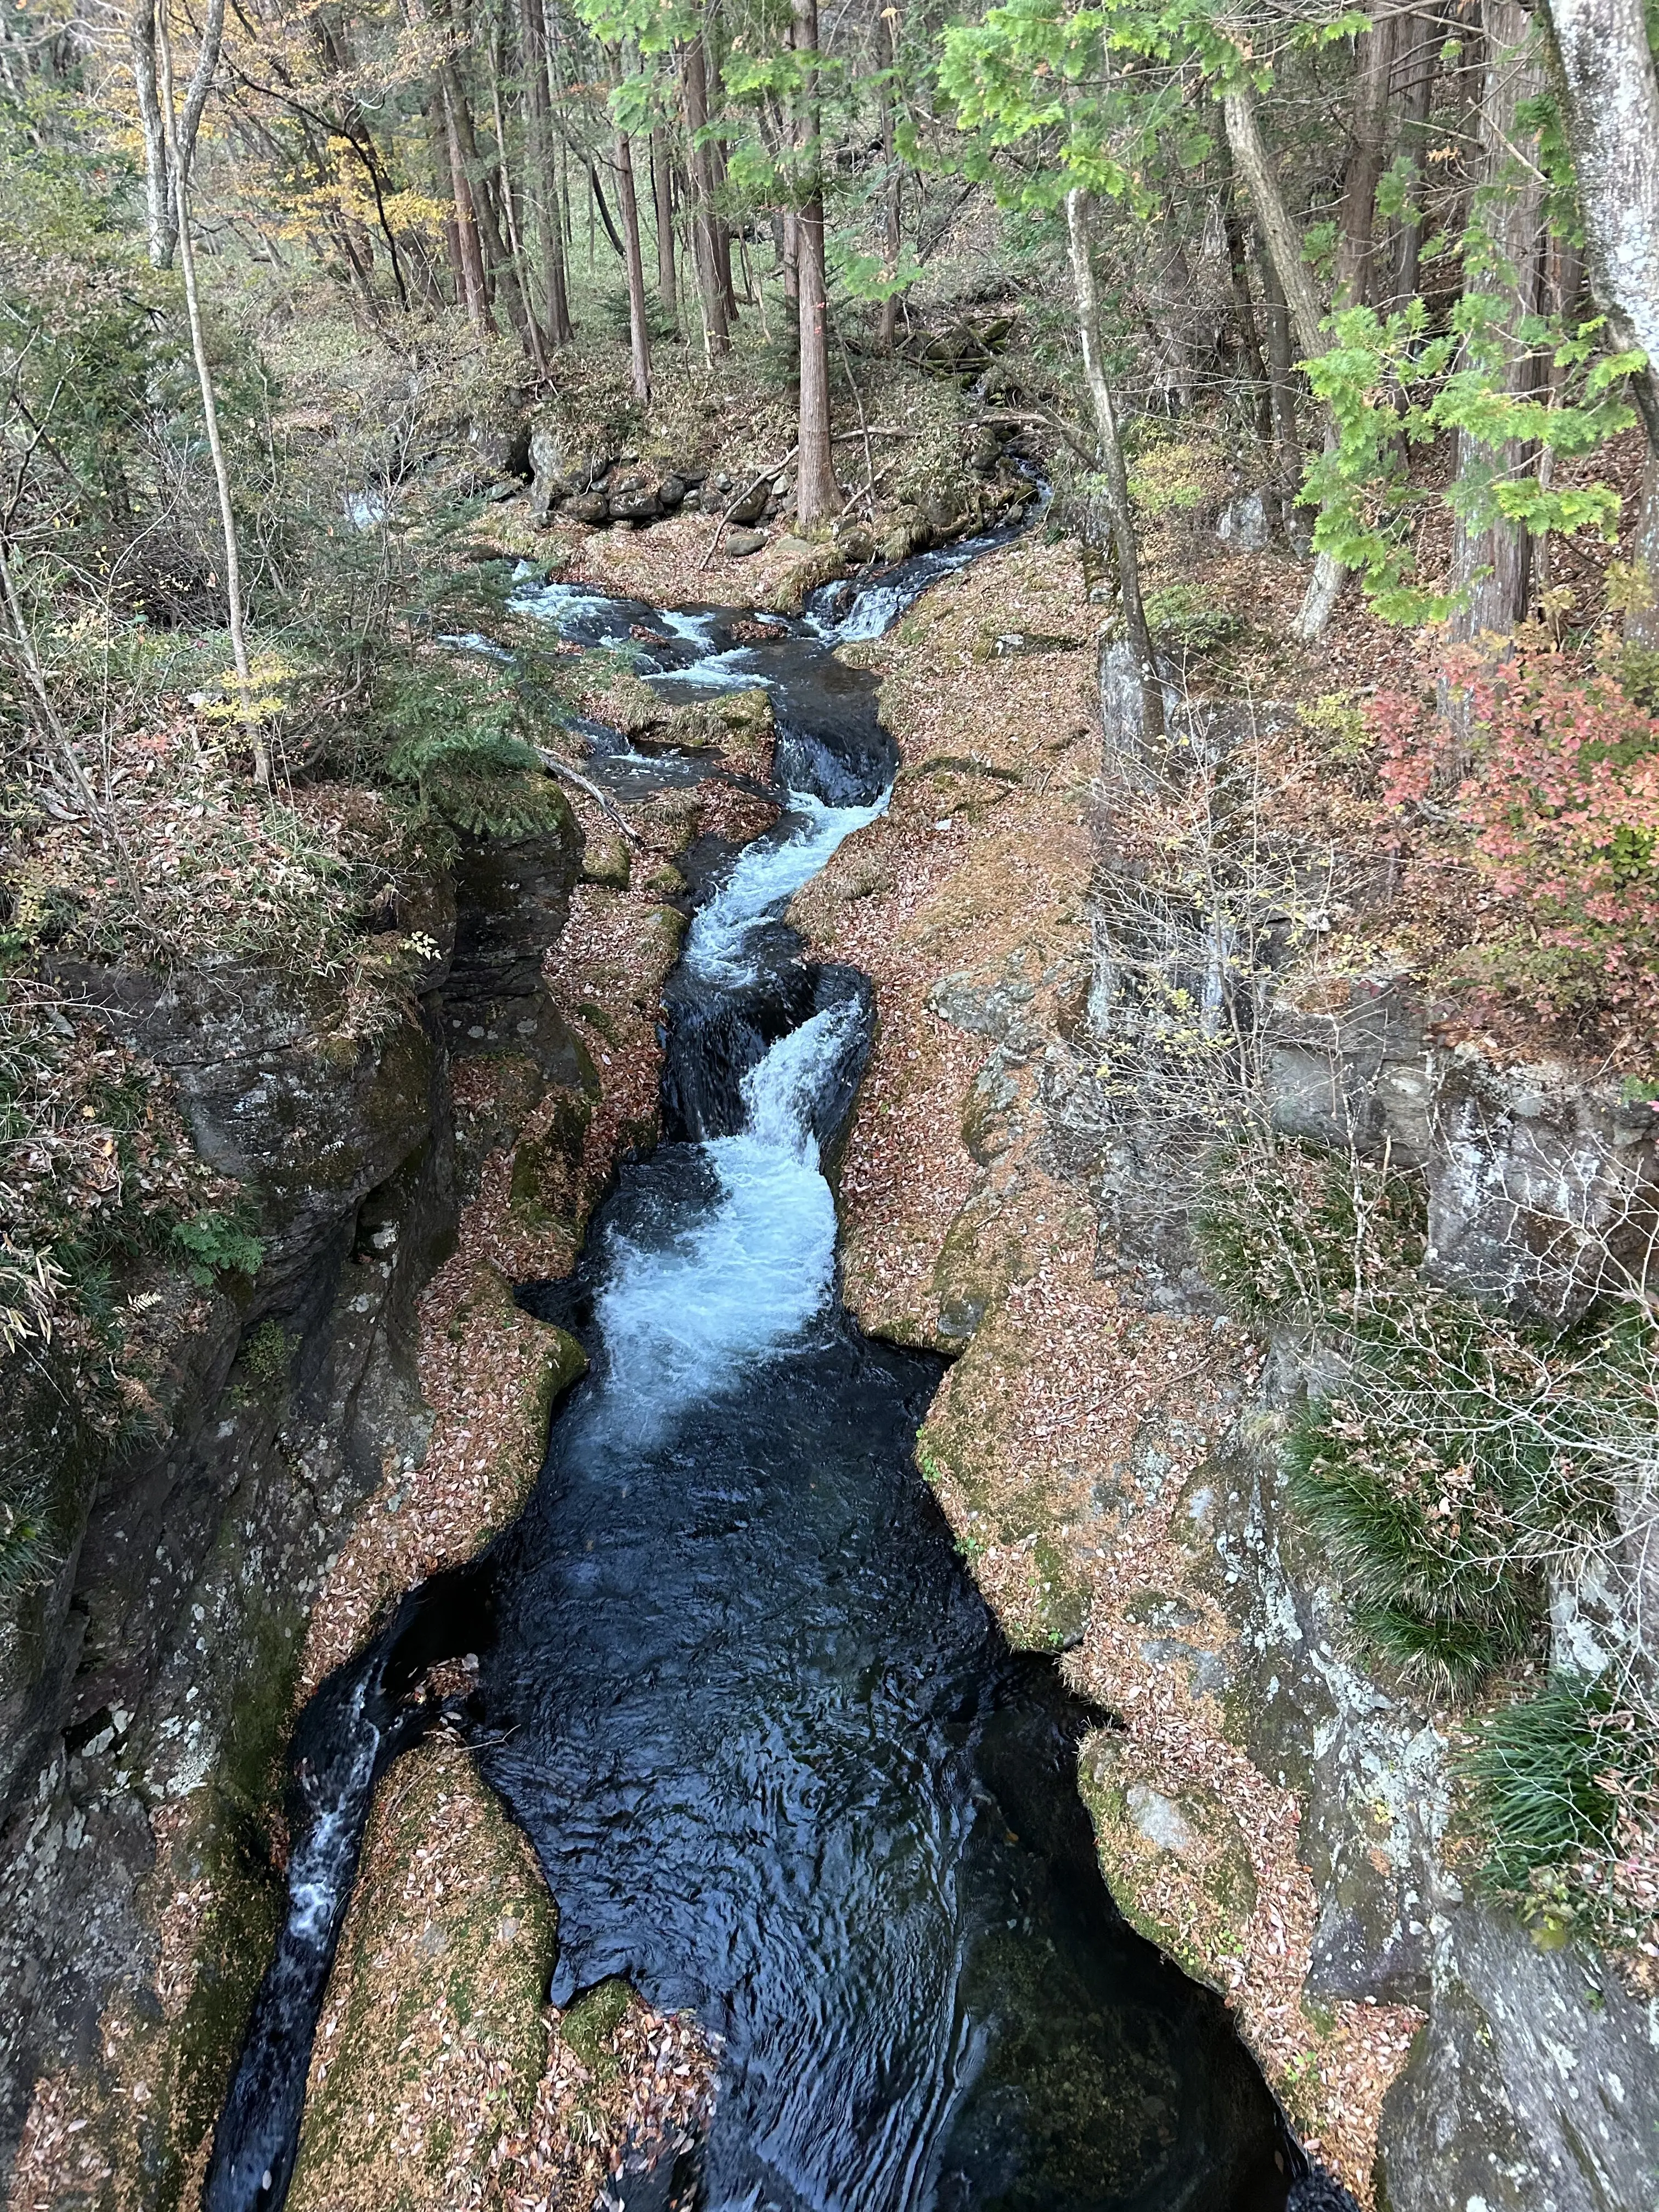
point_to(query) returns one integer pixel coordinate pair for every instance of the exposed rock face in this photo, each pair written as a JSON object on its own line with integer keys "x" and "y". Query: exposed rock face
{"x": 154, "y": 1675}
{"x": 1536, "y": 2082}
{"x": 1535, "y": 2079}
{"x": 1105, "y": 1444}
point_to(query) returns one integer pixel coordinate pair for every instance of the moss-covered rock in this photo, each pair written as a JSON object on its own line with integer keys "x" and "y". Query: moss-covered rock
{"x": 432, "y": 2040}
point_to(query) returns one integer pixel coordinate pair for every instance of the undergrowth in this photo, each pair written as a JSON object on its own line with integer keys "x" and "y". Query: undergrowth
{"x": 1454, "y": 1464}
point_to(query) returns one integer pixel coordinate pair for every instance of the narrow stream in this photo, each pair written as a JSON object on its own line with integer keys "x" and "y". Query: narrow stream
{"x": 777, "y": 1760}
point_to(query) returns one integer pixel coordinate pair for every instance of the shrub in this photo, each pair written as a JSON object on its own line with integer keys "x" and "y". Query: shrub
{"x": 1561, "y": 1790}
{"x": 1557, "y": 782}
{"x": 1185, "y": 620}
{"x": 1297, "y": 1232}
{"x": 1458, "y": 1453}
{"x": 218, "y": 1243}
{"x": 1397, "y": 1477}
{"x": 1544, "y": 1776}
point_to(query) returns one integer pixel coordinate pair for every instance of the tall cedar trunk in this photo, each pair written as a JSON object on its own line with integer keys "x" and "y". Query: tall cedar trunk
{"x": 817, "y": 497}
{"x": 497, "y": 261}
{"x": 1368, "y": 133}
{"x": 662, "y": 193}
{"x": 639, "y": 335}
{"x": 1114, "y": 475}
{"x": 721, "y": 234}
{"x": 1492, "y": 568}
{"x": 1611, "y": 88}
{"x": 694, "y": 74}
{"x": 473, "y": 285}
{"x": 1173, "y": 326}
{"x": 538, "y": 96}
{"x": 532, "y": 330}
{"x": 437, "y": 148}
{"x": 1419, "y": 42}
{"x": 892, "y": 231}
{"x": 163, "y": 133}
{"x": 1302, "y": 303}
{"x": 1249, "y": 340}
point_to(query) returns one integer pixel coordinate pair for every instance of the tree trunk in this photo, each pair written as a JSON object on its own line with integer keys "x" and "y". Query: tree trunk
{"x": 639, "y": 335}
{"x": 1302, "y": 303}
{"x": 693, "y": 77}
{"x": 817, "y": 497}
{"x": 1250, "y": 341}
{"x": 1281, "y": 388}
{"x": 169, "y": 139}
{"x": 1114, "y": 474}
{"x": 719, "y": 231}
{"x": 533, "y": 332}
{"x": 893, "y": 234}
{"x": 1419, "y": 40}
{"x": 1492, "y": 568}
{"x": 662, "y": 193}
{"x": 1611, "y": 95}
{"x": 1357, "y": 239}
{"x": 179, "y": 158}
{"x": 473, "y": 282}
{"x": 539, "y": 95}
{"x": 498, "y": 263}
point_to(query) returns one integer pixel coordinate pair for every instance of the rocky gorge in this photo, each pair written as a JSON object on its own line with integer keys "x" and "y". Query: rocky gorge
{"x": 373, "y": 1406}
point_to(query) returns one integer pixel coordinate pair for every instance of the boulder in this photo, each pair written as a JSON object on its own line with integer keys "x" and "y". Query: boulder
{"x": 753, "y": 504}
{"x": 739, "y": 545}
{"x": 672, "y": 491}
{"x": 804, "y": 567}
{"x": 906, "y": 533}
{"x": 942, "y": 510}
{"x": 589, "y": 506}
{"x": 548, "y": 483}
{"x": 1241, "y": 524}
{"x": 633, "y": 501}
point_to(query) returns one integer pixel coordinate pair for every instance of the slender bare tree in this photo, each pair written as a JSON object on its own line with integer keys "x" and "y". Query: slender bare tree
{"x": 161, "y": 136}
{"x": 1115, "y": 476}
{"x": 179, "y": 158}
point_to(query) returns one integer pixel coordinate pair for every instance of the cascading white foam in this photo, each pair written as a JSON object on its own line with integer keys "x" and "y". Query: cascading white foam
{"x": 557, "y": 602}
{"x": 682, "y": 1323}
{"x": 730, "y": 671}
{"x": 768, "y": 875}
{"x": 317, "y": 1870}
{"x": 780, "y": 1090}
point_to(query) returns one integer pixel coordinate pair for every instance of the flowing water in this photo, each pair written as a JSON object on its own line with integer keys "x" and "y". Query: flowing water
{"x": 776, "y": 1760}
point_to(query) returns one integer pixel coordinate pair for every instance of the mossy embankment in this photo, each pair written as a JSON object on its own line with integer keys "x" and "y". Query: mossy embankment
{"x": 1073, "y": 1441}
{"x": 387, "y": 1420}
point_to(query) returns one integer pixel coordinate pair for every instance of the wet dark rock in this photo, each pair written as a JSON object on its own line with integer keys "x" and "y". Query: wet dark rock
{"x": 753, "y": 505}
{"x": 158, "y": 1663}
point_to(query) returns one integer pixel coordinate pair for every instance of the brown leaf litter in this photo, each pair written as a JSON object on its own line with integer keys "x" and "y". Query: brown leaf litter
{"x": 1065, "y": 1441}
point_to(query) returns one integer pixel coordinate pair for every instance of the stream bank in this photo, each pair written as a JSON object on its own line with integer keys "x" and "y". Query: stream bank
{"x": 1273, "y": 1814}
{"x": 1093, "y": 1490}
{"x": 375, "y": 1411}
